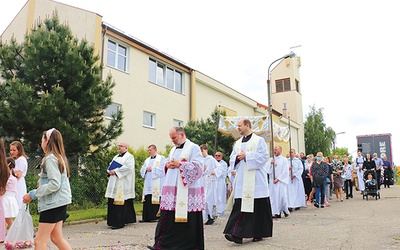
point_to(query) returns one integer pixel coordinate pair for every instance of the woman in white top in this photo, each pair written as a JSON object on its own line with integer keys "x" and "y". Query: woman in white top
{"x": 21, "y": 167}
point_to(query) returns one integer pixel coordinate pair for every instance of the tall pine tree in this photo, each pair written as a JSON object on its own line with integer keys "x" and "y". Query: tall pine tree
{"x": 52, "y": 79}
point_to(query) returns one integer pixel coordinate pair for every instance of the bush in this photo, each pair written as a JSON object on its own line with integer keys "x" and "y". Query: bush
{"x": 31, "y": 179}
{"x": 88, "y": 177}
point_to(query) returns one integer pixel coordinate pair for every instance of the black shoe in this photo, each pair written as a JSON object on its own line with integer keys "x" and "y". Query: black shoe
{"x": 286, "y": 215}
{"x": 232, "y": 238}
{"x": 290, "y": 209}
{"x": 209, "y": 222}
{"x": 322, "y": 206}
{"x": 297, "y": 208}
{"x": 351, "y": 196}
{"x": 141, "y": 221}
{"x": 256, "y": 239}
{"x": 347, "y": 198}
{"x": 316, "y": 205}
{"x": 115, "y": 228}
{"x": 151, "y": 247}
{"x": 276, "y": 216}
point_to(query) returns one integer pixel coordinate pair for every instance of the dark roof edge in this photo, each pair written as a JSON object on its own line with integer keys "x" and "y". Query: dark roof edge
{"x": 145, "y": 45}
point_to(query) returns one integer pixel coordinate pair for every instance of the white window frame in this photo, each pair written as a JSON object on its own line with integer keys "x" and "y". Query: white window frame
{"x": 117, "y": 55}
{"x": 152, "y": 119}
{"x": 113, "y": 108}
{"x": 161, "y": 77}
{"x": 177, "y": 122}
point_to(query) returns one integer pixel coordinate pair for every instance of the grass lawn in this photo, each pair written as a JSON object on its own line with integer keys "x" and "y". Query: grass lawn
{"x": 88, "y": 214}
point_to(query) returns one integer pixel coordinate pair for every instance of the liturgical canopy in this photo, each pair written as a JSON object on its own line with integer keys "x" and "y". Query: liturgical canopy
{"x": 259, "y": 124}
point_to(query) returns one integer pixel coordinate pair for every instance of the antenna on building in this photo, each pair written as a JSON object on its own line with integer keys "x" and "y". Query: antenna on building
{"x": 296, "y": 46}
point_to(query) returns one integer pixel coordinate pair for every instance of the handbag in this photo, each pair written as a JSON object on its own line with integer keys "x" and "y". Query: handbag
{"x": 343, "y": 177}
{"x": 20, "y": 234}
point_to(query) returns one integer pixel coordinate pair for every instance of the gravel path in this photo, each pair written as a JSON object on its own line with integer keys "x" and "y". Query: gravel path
{"x": 351, "y": 224}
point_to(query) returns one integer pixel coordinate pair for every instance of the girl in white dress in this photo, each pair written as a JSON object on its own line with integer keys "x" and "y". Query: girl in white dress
{"x": 10, "y": 204}
{"x": 21, "y": 167}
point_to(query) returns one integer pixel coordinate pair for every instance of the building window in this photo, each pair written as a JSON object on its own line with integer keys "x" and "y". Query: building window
{"x": 112, "y": 111}
{"x": 282, "y": 85}
{"x": 152, "y": 71}
{"x": 178, "y": 82}
{"x": 297, "y": 86}
{"x": 117, "y": 56}
{"x": 170, "y": 79}
{"x": 149, "y": 119}
{"x": 163, "y": 75}
{"x": 177, "y": 123}
{"x": 278, "y": 86}
{"x": 286, "y": 84}
{"x": 160, "y": 74}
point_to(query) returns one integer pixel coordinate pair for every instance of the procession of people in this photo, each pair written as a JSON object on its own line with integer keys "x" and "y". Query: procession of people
{"x": 191, "y": 189}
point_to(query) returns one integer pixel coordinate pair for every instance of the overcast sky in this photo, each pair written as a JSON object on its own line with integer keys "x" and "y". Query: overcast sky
{"x": 349, "y": 50}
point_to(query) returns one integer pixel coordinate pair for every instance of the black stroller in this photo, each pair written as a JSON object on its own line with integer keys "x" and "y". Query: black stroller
{"x": 371, "y": 186}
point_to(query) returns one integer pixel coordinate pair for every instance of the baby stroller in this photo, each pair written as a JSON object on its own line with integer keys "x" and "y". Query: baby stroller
{"x": 371, "y": 186}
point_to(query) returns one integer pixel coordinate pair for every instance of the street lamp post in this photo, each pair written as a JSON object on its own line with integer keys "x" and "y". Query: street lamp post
{"x": 334, "y": 141}
{"x": 271, "y": 129}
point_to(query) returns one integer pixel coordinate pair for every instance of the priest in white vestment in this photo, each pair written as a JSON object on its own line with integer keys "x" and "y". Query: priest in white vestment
{"x": 182, "y": 198}
{"x": 296, "y": 193}
{"x": 121, "y": 189}
{"x": 278, "y": 171}
{"x": 212, "y": 171}
{"x": 221, "y": 184}
{"x": 153, "y": 173}
{"x": 251, "y": 213}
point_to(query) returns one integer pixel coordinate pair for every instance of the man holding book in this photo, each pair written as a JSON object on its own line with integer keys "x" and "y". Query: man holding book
{"x": 121, "y": 188}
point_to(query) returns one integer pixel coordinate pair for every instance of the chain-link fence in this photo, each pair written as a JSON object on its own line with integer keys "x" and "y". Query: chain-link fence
{"x": 88, "y": 177}
{"x": 88, "y": 182}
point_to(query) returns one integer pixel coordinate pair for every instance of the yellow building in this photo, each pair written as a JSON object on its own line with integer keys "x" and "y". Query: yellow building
{"x": 154, "y": 89}
{"x": 287, "y": 99}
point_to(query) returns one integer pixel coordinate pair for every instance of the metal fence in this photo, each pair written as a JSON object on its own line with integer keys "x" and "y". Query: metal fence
{"x": 88, "y": 182}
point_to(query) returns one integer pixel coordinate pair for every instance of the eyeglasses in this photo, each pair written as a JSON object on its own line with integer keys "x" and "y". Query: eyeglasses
{"x": 218, "y": 155}
{"x": 121, "y": 146}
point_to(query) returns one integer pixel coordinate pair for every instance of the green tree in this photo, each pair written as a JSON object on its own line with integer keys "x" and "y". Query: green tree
{"x": 342, "y": 151}
{"x": 317, "y": 137}
{"x": 52, "y": 79}
{"x": 203, "y": 132}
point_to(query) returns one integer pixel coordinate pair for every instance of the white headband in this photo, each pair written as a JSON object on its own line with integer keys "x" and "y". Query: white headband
{"x": 48, "y": 133}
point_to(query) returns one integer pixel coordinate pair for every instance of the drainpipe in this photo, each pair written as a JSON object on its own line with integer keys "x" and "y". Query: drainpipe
{"x": 192, "y": 96}
{"x": 102, "y": 49}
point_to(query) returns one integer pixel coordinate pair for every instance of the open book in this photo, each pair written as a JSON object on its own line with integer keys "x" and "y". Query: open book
{"x": 114, "y": 165}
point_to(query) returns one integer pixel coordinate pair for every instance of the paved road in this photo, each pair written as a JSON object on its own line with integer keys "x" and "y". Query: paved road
{"x": 352, "y": 224}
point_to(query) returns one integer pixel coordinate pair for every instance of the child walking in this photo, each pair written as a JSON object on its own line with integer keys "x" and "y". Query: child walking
{"x": 10, "y": 203}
